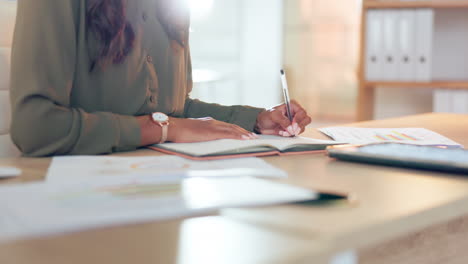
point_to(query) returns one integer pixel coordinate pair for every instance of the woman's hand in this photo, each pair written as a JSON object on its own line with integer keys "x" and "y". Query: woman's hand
{"x": 204, "y": 129}
{"x": 274, "y": 121}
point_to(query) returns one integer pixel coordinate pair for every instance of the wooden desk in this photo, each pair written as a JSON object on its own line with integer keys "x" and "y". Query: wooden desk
{"x": 402, "y": 216}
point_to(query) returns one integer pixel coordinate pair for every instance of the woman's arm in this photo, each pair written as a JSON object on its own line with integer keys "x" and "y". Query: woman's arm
{"x": 43, "y": 66}
{"x": 272, "y": 121}
{"x": 243, "y": 116}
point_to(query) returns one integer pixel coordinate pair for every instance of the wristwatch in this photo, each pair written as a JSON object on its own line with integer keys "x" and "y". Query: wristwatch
{"x": 163, "y": 121}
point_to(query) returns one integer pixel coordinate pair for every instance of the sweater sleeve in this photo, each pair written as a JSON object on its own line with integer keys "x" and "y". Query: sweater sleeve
{"x": 243, "y": 116}
{"x": 42, "y": 77}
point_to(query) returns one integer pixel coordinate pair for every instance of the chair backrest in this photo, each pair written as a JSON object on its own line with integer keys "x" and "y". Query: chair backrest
{"x": 7, "y": 22}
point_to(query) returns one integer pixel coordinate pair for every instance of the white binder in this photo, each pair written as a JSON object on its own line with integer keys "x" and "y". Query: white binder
{"x": 406, "y": 48}
{"x": 442, "y": 101}
{"x": 390, "y": 45}
{"x": 424, "y": 43}
{"x": 374, "y": 59}
{"x": 460, "y": 101}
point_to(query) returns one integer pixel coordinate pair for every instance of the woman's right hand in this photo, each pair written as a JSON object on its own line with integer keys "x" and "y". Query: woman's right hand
{"x": 185, "y": 130}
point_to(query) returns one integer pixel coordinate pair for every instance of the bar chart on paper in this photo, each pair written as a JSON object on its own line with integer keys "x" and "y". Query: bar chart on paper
{"x": 394, "y": 136}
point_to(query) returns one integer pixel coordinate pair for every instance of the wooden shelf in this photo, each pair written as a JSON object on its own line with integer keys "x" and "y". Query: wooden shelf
{"x": 434, "y": 84}
{"x": 371, "y": 4}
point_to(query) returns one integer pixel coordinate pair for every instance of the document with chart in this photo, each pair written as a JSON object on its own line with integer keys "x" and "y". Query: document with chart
{"x": 36, "y": 209}
{"x": 416, "y": 136}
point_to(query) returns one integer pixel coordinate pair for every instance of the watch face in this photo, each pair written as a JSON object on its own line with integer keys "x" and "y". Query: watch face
{"x": 160, "y": 117}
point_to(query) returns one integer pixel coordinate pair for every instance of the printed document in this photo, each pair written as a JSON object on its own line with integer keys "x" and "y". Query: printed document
{"x": 78, "y": 167}
{"x": 416, "y": 136}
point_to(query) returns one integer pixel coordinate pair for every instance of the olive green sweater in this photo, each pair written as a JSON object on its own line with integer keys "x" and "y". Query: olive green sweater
{"x": 59, "y": 107}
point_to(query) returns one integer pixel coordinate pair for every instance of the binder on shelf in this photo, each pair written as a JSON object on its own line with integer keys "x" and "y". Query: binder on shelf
{"x": 390, "y": 46}
{"x": 460, "y": 101}
{"x": 406, "y": 48}
{"x": 374, "y": 59}
{"x": 442, "y": 101}
{"x": 424, "y": 44}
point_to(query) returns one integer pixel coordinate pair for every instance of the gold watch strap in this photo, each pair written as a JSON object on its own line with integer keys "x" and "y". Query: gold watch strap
{"x": 164, "y": 133}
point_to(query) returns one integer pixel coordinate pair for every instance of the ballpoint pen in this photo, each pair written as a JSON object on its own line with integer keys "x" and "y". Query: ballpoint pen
{"x": 286, "y": 95}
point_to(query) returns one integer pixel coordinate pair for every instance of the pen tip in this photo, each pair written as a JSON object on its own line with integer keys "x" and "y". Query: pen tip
{"x": 282, "y": 71}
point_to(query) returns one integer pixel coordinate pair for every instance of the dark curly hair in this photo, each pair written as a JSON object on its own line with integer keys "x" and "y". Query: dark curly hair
{"x": 107, "y": 23}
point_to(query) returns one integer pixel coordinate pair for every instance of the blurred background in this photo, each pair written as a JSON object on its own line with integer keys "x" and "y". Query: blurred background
{"x": 239, "y": 46}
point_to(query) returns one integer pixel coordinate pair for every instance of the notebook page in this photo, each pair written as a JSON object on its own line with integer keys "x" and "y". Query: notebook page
{"x": 239, "y": 146}
{"x": 282, "y": 143}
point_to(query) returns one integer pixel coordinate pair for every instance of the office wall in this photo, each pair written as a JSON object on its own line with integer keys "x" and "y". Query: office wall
{"x": 7, "y": 20}
{"x": 320, "y": 54}
{"x": 241, "y": 40}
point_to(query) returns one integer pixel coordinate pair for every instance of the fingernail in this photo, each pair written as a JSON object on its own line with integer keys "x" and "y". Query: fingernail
{"x": 297, "y": 131}
{"x": 245, "y": 137}
{"x": 295, "y": 126}
{"x": 254, "y": 135}
{"x": 290, "y": 130}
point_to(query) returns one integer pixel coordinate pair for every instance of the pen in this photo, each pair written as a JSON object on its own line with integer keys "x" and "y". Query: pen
{"x": 286, "y": 95}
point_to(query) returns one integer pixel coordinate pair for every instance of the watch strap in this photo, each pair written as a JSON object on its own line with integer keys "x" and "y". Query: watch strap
{"x": 164, "y": 131}
{"x": 163, "y": 124}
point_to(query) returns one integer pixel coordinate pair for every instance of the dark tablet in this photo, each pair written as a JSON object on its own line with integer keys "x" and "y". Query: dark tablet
{"x": 405, "y": 155}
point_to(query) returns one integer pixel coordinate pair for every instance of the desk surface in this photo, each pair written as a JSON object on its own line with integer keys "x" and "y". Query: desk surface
{"x": 391, "y": 202}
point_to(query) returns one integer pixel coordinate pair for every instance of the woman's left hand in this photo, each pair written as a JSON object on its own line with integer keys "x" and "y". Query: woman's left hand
{"x": 274, "y": 121}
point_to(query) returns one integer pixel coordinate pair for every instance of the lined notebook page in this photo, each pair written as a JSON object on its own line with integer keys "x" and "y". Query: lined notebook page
{"x": 232, "y": 145}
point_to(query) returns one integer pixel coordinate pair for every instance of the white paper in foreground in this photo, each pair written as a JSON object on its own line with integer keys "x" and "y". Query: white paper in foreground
{"x": 78, "y": 167}
{"x": 37, "y": 209}
{"x": 417, "y": 136}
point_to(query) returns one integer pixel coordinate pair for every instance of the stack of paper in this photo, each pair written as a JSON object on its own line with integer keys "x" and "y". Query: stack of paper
{"x": 84, "y": 192}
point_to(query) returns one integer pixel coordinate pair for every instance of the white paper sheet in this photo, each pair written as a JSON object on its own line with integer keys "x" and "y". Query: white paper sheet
{"x": 417, "y": 136}
{"x": 37, "y": 209}
{"x": 79, "y": 167}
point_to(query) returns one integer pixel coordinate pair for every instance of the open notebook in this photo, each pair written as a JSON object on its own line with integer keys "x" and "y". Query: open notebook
{"x": 230, "y": 148}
